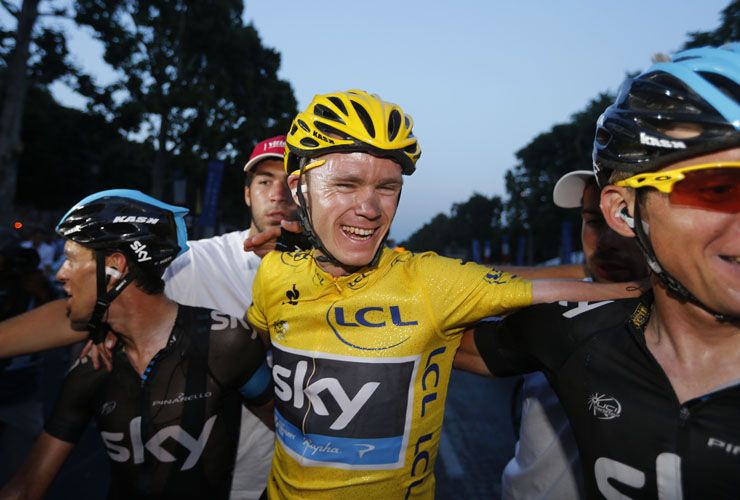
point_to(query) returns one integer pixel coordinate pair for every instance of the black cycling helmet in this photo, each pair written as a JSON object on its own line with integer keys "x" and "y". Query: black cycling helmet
{"x": 150, "y": 233}
{"x": 698, "y": 90}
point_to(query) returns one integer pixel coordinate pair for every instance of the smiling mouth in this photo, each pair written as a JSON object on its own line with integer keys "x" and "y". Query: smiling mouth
{"x": 358, "y": 233}
{"x": 730, "y": 259}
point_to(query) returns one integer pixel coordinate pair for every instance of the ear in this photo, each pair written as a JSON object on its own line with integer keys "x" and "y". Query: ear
{"x": 118, "y": 265}
{"x": 614, "y": 202}
{"x": 247, "y": 196}
{"x": 293, "y": 186}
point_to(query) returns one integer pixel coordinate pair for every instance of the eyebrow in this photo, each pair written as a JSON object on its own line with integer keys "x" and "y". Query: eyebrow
{"x": 348, "y": 178}
{"x": 264, "y": 174}
{"x": 592, "y": 212}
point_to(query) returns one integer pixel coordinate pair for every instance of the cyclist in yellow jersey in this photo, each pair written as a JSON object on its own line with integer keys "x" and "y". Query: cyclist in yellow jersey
{"x": 363, "y": 337}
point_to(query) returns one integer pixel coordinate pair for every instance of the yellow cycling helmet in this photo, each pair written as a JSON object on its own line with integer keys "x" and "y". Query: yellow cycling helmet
{"x": 352, "y": 121}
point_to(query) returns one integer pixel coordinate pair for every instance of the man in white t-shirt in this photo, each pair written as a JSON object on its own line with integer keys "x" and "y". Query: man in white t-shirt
{"x": 217, "y": 273}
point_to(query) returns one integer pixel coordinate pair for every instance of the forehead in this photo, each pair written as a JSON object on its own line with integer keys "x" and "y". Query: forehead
{"x": 75, "y": 250}
{"x": 359, "y": 165}
{"x": 591, "y": 196}
{"x": 271, "y": 167}
{"x": 725, "y": 155}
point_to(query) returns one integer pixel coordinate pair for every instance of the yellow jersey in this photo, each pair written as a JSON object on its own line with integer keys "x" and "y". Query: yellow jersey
{"x": 361, "y": 365}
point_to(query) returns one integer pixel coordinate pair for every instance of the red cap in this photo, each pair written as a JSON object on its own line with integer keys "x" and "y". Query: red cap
{"x": 274, "y": 147}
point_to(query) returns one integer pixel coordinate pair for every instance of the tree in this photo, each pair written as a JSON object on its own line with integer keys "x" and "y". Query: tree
{"x": 727, "y": 31}
{"x": 44, "y": 50}
{"x": 478, "y": 218}
{"x": 193, "y": 79}
{"x": 74, "y": 149}
{"x": 529, "y": 209}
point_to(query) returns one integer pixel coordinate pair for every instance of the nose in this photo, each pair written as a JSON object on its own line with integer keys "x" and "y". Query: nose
{"x": 61, "y": 274}
{"x": 279, "y": 191}
{"x": 368, "y": 204}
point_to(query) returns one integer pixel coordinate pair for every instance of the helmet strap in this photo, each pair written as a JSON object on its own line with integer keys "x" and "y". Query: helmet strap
{"x": 96, "y": 326}
{"x": 674, "y": 286}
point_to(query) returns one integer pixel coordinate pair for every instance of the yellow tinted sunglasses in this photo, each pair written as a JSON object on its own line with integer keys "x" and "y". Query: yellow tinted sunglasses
{"x": 714, "y": 186}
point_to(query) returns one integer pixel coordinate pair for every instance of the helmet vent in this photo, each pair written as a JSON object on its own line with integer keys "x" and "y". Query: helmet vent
{"x": 90, "y": 209}
{"x": 331, "y": 131}
{"x": 324, "y": 112}
{"x": 309, "y": 142}
{"x": 293, "y": 129}
{"x": 303, "y": 125}
{"x": 724, "y": 84}
{"x": 394, "y": 124}
{"x": 121, "y": 229}
{"x": 365, "y": 118}
{"x": 338, "y": 103}
{"x": 602, "y": 137}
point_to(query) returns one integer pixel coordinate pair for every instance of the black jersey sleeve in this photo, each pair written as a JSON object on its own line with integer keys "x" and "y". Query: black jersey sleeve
{"x": 542, "y": 337}
{"x": 74, "y": 406}
{"x": 237, "y": 356}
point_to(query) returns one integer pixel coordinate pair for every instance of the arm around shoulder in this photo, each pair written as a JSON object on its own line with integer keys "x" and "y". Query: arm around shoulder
{"x": 545, "y": 291}
{"x": 468, "y": 357}
{"x": 45, "y": 327}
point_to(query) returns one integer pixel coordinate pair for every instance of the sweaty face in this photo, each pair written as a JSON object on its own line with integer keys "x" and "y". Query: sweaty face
{"x": 701, "y": 248}
{"x": 77, "y": 275}
{"x": 268, "y": 197}
{"x": 609, "y": 257}
{"x": 353, "y": 198}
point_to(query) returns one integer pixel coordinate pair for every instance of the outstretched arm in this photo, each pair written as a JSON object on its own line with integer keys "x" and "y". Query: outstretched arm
{"x": 45, "y": 327}
{"x": 545, "y": 291}
{"x": 33, "y": 479}
{"x": 562, "y": 271}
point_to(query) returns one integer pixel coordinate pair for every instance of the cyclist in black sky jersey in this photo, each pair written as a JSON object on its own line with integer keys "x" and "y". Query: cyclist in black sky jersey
{"x": 652, "y": 385}
{"x": 169, "y": 410}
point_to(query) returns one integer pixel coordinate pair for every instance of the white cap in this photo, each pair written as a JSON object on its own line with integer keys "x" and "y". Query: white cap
{"x": 568, "y": 192}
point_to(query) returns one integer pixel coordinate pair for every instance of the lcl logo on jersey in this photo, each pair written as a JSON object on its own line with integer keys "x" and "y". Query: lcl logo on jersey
{"x": 349, "y": 325}
{"x": 358, "y": 421}
{"x": 119, "y": 452}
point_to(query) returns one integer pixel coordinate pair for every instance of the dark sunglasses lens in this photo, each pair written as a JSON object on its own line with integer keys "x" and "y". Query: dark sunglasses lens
{"x": 713, "y": 189}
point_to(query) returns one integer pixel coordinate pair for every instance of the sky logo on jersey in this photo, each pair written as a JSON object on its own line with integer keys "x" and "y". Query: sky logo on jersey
{"x": 360, "y": 421}
{"x": 115, "y": 442}
{"x": 349, "y": 325}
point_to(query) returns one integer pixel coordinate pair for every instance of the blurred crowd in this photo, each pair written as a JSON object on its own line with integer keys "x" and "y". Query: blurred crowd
{"x": 29, "y": 259}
